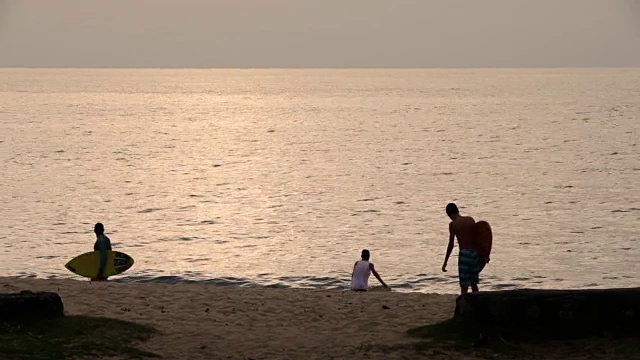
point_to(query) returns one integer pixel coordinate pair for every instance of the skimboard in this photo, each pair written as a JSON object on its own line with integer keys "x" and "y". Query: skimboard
{"x": 484, "y": 240}
{"x": 87, "y": 264}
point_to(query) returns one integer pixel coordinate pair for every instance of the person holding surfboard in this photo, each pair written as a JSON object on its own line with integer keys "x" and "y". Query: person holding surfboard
{"x": 470, "y": 263}
{"x": 361, "y": 271}
{"x": 103, "y": 245}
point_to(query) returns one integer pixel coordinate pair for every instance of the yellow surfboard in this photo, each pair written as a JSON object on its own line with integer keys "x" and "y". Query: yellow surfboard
{"x": 87, "y": 264}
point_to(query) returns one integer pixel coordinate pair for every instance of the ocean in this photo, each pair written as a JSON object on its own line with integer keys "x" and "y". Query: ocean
{"x": 281, "y": 177}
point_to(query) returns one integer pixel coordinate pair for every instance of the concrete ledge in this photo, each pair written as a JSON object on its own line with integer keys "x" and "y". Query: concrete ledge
{"x": 594, "y": 310}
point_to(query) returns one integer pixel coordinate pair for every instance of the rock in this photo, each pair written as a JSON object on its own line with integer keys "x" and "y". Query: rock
{"x": 594, "y": 310}
{"x": 27, "y": 305}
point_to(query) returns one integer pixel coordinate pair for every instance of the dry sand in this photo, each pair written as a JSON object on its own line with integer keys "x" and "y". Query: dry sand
{"x": 199, "y": 321}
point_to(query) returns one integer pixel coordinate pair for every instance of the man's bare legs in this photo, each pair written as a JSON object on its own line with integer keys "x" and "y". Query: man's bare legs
{"x": 474, "y": 288}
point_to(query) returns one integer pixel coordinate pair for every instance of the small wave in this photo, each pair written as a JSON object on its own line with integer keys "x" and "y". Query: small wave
{"x": 505, "y": 286}
{"x": 209, "y": 222}
{"x": 47, "y": 257}
{"x": 197, "y": 260}
{"x": 174, "y": 279}
{"x": 149, "y": 210}
{"x": 180, "y": 238}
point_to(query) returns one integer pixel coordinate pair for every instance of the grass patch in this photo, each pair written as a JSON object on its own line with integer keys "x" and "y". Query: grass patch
{"x": 73, "y": 336}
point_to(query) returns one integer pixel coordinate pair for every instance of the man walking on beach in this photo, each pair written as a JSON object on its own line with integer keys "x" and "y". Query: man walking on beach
{"x": 361, "y": 271}
{"x": 103, "y": 245}
{"x": 463, "y": 228}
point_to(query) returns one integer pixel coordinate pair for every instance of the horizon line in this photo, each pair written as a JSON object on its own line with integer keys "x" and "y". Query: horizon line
{"x": 319, "y": 67}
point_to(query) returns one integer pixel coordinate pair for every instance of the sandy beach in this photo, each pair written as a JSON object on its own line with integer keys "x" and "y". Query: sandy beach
{"x": 198, "y": 321}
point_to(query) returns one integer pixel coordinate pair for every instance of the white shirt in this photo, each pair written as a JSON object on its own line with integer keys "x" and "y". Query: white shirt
{"x": 360, "y": 278}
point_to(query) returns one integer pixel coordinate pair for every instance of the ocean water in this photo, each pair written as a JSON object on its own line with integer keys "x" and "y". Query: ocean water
{"x": 281, "y": 177}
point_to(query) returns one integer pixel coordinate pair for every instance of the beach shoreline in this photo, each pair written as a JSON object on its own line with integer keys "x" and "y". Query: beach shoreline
{"x": 206, "y": 321}
{"x": 203, "y": 321}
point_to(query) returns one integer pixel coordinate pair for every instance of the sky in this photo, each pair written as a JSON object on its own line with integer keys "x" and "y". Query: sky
{"x": 319, "y": 33}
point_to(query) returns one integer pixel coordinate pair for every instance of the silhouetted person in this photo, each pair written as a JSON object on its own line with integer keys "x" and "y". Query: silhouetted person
{"x": 103, "y": 245}
{"x": 463, "y": 228}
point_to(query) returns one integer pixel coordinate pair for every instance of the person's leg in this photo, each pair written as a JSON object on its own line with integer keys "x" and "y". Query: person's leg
{"x": 465, "y": 270}
{"x": 474, "y": 273}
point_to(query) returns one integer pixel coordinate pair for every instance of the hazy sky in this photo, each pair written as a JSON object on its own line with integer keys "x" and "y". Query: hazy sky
{"x": 319, "y": 33}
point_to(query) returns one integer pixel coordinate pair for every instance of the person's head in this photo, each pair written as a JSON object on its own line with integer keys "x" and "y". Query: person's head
{"x": 365, "y": 254}
{"x": 452, "y": 210}
{"x": 98, "y": 229}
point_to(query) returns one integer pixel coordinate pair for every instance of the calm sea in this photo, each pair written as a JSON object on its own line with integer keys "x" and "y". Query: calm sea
{"x": 281, "y": 177}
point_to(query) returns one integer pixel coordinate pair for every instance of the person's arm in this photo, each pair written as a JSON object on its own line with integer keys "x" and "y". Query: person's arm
{"x": 352, "y": 271}
{"x": 449, "y": 248}
{"x": 375, "y": 273}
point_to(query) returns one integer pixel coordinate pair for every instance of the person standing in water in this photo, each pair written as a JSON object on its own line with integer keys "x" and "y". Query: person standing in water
{"x": 103, "y": 245}
{"x": 361, "y": 271}
{"x": 463, "y": 228}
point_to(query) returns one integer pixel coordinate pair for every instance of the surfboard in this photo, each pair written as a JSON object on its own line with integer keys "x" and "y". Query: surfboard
{"x": 484, "y": 240}
{"x": 87, "y": 264}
